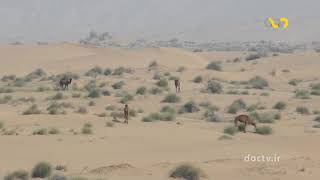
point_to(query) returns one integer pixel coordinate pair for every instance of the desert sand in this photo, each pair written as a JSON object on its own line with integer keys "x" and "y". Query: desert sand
{"x": 150, "y": 150}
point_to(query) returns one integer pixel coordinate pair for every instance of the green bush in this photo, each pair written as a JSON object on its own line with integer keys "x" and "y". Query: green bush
{"x": 198, "y": 79}
{"x": 153, "y": 64}
{"x": 107, "y": 72}
{"x": 187, "y": 172}
{"x": 87, "y": 129}
{"x": 316, "y": 126}
{"x": 214, "y": 66}
{"x": 156, "y": 91}
{"x": 168, "y": 109}
{"x": 181, "y": 69}
{"x": 6, "y": 90}
{"x": 302, "y": 110}
{"x": 280, "y": 105}
{"x": 141, "y": 90}
{"x": 94, "y": 93}
{"x": 302, "y": 94}
{"x": 17, "y": 175}
{"x": 126, "y": 99}
{"x": 264, "y": 130}
{"x": 54, "y": 131}
{"x": 94, "y": 72}
{"x": 41, "y": 131}
{"x": 118, "y": 85}
{"x": 58, "y": 96}
{"x": 119, "y": 71}
{"x": 5, "y": 99}
{"x": 162, "y": 83}
{"x": 42, "y": 170}
{"x": 58, "y": 177}
{"x": 189, "y": 107}
{"x": 213, "y": 87}
{"x": 1, "y": 125}
{"x": 225, "y": 137}
{"x": 294, "y": 82}
{"x": 32, "y": 110}
{"x": 265, "y": 117}
{"x": 82, "y": 110}
{"x": 236, "y": 106}
{"x": 231, "y": 130}
{"x": 211, "y": 115}
{"x": 258, "y": 82}
{"x": 157, "y": 76}
{"x": 171, "y": 98}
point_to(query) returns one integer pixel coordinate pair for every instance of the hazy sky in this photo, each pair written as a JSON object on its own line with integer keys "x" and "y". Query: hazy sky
{"x": 224, "y": 20}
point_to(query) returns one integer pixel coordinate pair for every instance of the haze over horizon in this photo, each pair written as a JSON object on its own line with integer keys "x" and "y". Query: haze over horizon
{"x": 204, "y": 20}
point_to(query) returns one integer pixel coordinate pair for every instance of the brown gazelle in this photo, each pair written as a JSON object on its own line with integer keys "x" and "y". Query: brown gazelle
{"x": 177, "y": 85}
{"x": 244, "y": 119}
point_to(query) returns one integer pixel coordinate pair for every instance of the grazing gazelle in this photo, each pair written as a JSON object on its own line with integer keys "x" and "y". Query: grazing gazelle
{"x": 244, "y": 119}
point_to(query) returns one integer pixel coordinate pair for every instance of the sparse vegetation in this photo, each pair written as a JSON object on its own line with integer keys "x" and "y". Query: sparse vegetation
{"x": 32, "y": 110}
{"x": 155, "y": 91}
{"x": 302, "y": 110}
{"x": 141, "y": 90}
{"x": 198, "y": 79}
{"x": 171, "y": 98}
{"x": 87, "y": 129}
{"x": 94, "y": 72}
{"x": 126, "y": 98}
{"x": 236, "y": 106}
{"x": 162, "y": 83}
{"x": 189, "y": 107}
{"x": 187, "y": 172}
{"x": 302, "y": 94}
{"x": 17, "y": 175}
{"x": 280, "y": 105}
{"x": 214, "y": 66}
{"x": 265, "y": 117}
{"x": 231, "y": 130}
{"x": 94, "y": 93}
{"x": 82, "y": 110}
{"x": 107, "y": 72}
{"x": 118, "y": 85}
{"x": 294, "y": 82}
{"x": 213, "y": 87}
{"x": 42, "y": 170}
{"x": 264, "y": 130}
{"x": 258, "y": 82}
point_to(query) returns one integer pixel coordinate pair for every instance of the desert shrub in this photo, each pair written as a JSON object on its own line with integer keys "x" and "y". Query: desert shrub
{"x": 280, "y": 105}
{"x": 117, "y": 114}
{"x": 94, "y": 72}
{"x": 20, "y": 82}
{"x": 54, "y": 131}
{"x": 76, "y": 95}
{"x": 171, "y": 98}
{"x": 32, "y": 110}
{"x": 27, "y": 99}
{"x": 155, "y": 91}
{"x": 91, "y": 85}
{"x": 147, "y": 119}
{"x": 1, "y": 125}
{"x": 153, "y": 64}
{"x": 172, "y": 78}
{"x": 7, "y": 78}
{"x": 58, "y": 96}
{"x": 225, "y": 137}
{"x": 42, "y": 170}
{"x": 141, "y": 90}
{"x": 42, "y": 131}
{"x": 167, "y": 74}
{"x": 82, "y": 110}
{"x": 316, "y": 111}
{"x": 302, "y": 110}
{"x": 258, "y": 82}
{"x": 94, "y": 93}
{"x": 241, "y": 127}
{"x": 118, "y": 85}
{"x": 162, "y": 116}
{"x": 302, "y": 94}
{"x": 5, "y": 99}
{"x": 187, "y": 172}
{"x": 255, "y": 56}
{"x": 107, "y": 72}
{"x": 316, "y": 126}
{"x": 315, "y": 92}
{"x": 205, "y": 104}
{"x": 231, "y": 130}
{"x": 119, "y": 71}
{"x": 102, "y": 114}
{"x": 236, "y": 106}
{"x": 157, "y": 76}
{"x": 211, "y": 115}
{"x": 9, "y": 132}
{"x": 132, "y": 113}
{"x": 109, "y": 124}
{"x": 264, "y": 130}
{"x": 6, "y": 90}
{"x": 105, "y": 93}
{"x": 162, "y": 83}
{"x": 254, "y": 107}
{"x": 58, "y": 177}
{"x": 140, "y": 111}
{"x": 17, "y": 175}
{"x": 265, "y": 117}
{"x": 189, "y": 107}
{"x": 91, "y": 103}
{"x": 55, "y": 108}
{"x": 110, "y": 108}
{"x": 315, "y": 119}
{"x": 126, "y": 98}
{"x": 198, "y": 79}
{"x": 61, "y": 168}
{"x": 168, "y": 109}
{"x": 214, "y": 66}
{"x": 213, "y": 87}
{"x": 87, "y": 128}
{"x": 43, "y": 88}
{"x": 38, "y": 73}
{"x": 294, "y": 82}
{"x": 181, "y": 69}
{"x": 265, "y": 94}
